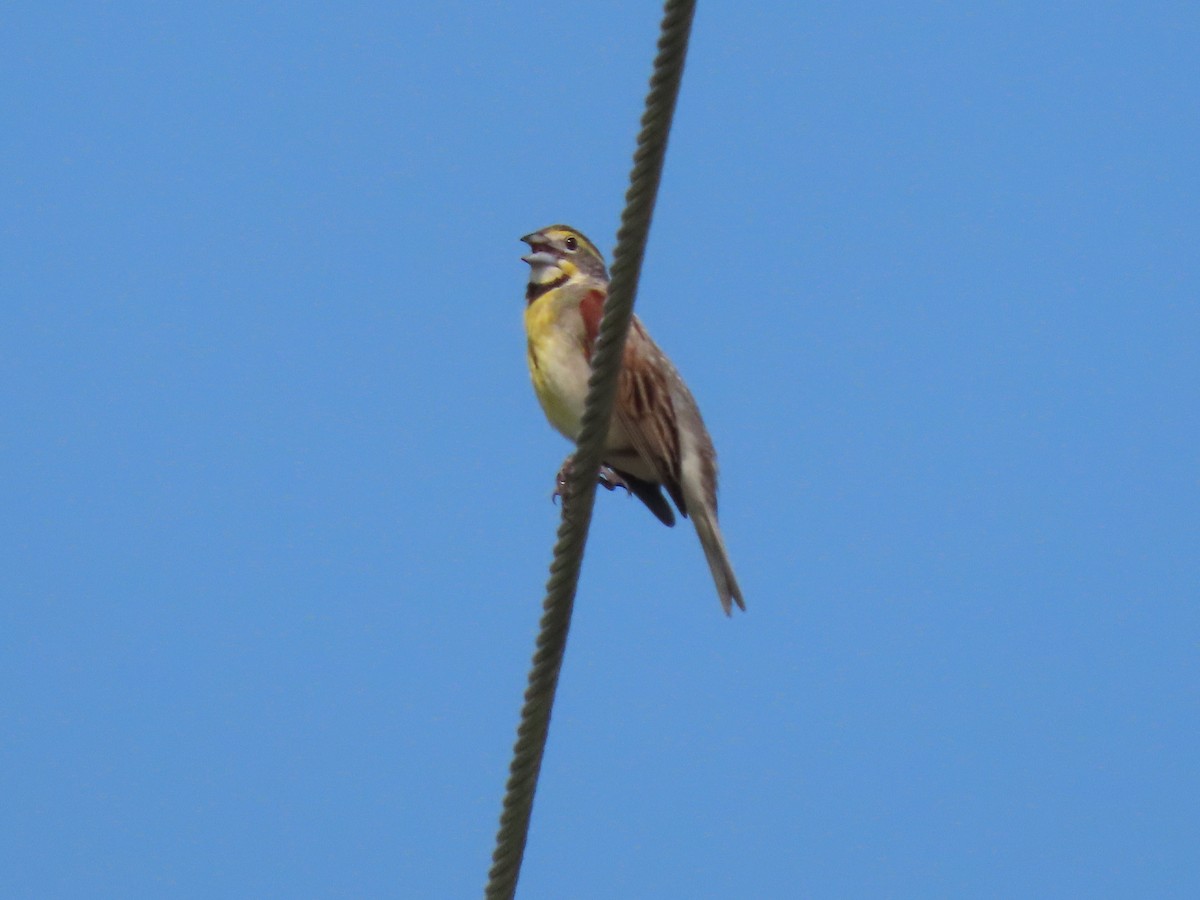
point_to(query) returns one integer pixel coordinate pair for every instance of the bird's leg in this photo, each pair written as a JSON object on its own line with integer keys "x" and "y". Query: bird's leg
{"x": 608, "y": 479}
{"x": 611, "y": 480}
{"x": 560, "y": 480}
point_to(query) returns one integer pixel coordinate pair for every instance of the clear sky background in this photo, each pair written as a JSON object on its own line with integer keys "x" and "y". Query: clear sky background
{"x": 276, "y": 491}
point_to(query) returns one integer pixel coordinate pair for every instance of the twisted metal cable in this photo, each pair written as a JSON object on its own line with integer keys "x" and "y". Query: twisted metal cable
{"x": 577, "y": 514}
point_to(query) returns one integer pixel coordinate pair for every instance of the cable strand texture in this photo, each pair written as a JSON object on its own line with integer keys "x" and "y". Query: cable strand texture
{"x": 644, "y": 179}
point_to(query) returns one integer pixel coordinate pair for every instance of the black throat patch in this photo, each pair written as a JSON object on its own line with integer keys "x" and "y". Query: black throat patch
{"x": 534, "y": 291}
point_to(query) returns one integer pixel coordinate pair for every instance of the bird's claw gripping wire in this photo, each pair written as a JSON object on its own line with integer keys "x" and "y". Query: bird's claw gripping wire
{"x": 611, "y": 480}
{"x": 534, "y": 725}
{"x": 607, "y": 479}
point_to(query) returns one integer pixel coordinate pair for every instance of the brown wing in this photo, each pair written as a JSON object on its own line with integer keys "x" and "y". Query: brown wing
{"x": 646, "y": 412}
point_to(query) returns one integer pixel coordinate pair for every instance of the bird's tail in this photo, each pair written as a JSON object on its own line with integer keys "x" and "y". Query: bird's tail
{"x": 718, "y": 559}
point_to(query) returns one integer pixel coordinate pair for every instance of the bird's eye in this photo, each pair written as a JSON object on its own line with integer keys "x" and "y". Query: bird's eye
{"x": 572, "y": 244}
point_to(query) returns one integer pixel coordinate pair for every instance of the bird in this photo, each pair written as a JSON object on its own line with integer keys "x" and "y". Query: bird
{"x": 656, "y": 439}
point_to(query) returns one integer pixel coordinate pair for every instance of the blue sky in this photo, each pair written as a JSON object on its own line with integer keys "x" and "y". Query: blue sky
{"x": 276, "y": 489}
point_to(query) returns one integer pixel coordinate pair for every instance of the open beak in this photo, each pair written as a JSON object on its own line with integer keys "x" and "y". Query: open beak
{"x": 541, "y": 256}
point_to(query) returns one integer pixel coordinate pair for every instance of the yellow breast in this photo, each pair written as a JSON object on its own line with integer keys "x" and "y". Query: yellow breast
{"x": 557, "y": 364}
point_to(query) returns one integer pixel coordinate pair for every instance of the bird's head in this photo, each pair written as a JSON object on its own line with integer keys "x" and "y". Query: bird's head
{"x": 560, "y": 253}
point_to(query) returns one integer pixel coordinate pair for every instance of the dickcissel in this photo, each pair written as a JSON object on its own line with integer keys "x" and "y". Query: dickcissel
{"x": 656, "y": 439}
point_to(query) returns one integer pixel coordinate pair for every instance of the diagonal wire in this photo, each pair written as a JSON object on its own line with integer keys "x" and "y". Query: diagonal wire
{"x": 577, "y": 514}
